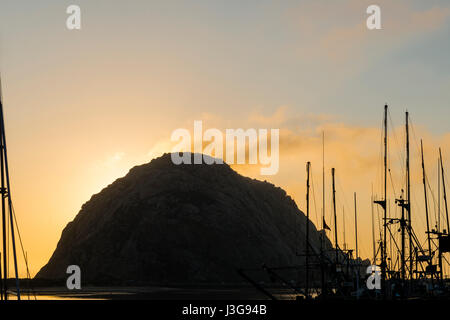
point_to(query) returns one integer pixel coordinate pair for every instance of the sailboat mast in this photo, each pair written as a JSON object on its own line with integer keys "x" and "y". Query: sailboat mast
{"x": 335, "y": 216}
{"x": 373, "y": 232}
{"x": 426, "y": 205}
{"x": 356, "y": 249}
{"x": 4, "y": 234}
{"x": 408, "y": 195}
{"x": 308, "y": 167}
{"x": 344, "y": 245}
{"x": 384, "y": 202}
{"x": 322, "y": 235}
{"x": 444, "y": 191}
{"x": 402, "y": 228}
{"x": 323, "y": 186}
{"x": 6, "y": 195}
{"x": 438, "y": 229}
{"x": 356, "y": 228}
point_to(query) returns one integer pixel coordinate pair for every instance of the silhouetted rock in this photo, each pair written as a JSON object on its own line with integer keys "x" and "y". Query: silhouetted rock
{"x": 166, "y": 223}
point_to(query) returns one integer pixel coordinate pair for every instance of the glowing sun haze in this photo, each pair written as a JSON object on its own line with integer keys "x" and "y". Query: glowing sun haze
{"x": 82, "y": 107}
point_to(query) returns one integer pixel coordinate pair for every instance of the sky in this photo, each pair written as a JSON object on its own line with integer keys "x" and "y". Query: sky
{"x": 84, "y": 106}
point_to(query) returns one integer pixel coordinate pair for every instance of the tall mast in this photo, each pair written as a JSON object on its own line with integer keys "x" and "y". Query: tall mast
{"x": 402, "y": 228}
{"x": 445, "y": 194}
{"x": 383, "y": 203}
{"x": 308, "y": 166}
{"x": 373, "y": 231}
{"x": 1, "y": 284}
{"x": 426, "y": 206}
{"x": 2, "y": 191}
{"x": 439, "y": 197}
{"x": 356, "y": 249}
{"x": 322, "y": 235}
{"x": 383, "y": 267}
{"x": 344, "y": 245}
{"x": 408, "y": 194}
{"x": 6, "y": 196}
{"x": 323, "y": 183}
{"x": 356, "y": 229}
{"x": 335, "y": 216}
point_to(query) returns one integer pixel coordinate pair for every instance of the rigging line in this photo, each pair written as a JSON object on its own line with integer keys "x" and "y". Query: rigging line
{"x": 314, "y": 200}
{"x": 344, "y": 203}
{"x": 340, "y": 204}
{"x": 346, "y": 206}
{"x": 344, "y": 244}
{"x": 340, "y": 190}
{"x": 436, "y": 245}
{"x": 7, "y": 242}
{"x": 414, "y": 237}
{"x": 29, "y": 280}
{"x": 380, "y": 169}
{"x": 446, "y": 179}
{"x": 433, "y": 196}
{"x": 419, "y": 208}
{"x": 379, "y": 174}
{"x": 414, "y": 134}
{"x": 397, "y": 144}
{"x": 439, "y": 195}
{"x": 392, "y": 183}
{"x": 21, "y": 243}
{"x": 424, "y": 244}
{"x": 446, "y": 184}
{"x": 393, "y": 238}
{"x": 413, "y": 195}
{"x": 378, "y": 219}
{"x": 443, "y": 257}
{"x": 415, "y": 139}
{"x": 331, "y": 212}
{"x": 427, "y": 184}
{"x": 431, "y": 190}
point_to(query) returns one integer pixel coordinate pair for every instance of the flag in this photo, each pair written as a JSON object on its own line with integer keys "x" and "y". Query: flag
{"x": 325, "y": 226}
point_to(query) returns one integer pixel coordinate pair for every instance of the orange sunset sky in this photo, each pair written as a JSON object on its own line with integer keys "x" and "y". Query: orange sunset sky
{"x": 84, "y": 106}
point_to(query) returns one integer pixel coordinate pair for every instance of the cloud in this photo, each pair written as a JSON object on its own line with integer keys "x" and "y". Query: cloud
{"x": 160, "y": 148}
{"x": 283, "y": 117}
{"x": 112, "y": 160}
{"x": 335, "y": 32}
{"x": 355, "y": 151}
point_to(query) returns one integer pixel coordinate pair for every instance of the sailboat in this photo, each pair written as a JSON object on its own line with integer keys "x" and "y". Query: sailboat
{"x": 8, "y": 216}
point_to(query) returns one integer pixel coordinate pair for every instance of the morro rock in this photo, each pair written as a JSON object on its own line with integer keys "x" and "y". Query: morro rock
{"x": 164, "y": 223}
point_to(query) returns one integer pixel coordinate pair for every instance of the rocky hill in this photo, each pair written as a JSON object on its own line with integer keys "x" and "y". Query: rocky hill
{"x": 164, "y": 223}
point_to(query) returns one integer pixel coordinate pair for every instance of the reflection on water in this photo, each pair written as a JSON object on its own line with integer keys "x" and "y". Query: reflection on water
{"x": 45, "y": 297}
{"x": 24, "y": 296}
{"x": 153, "y": 293}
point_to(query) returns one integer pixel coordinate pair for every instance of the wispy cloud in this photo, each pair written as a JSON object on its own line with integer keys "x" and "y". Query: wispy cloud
{"x": 342, "y": 38}
{"x": 355, "y": 151}
{"x": 112, "y": 160}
